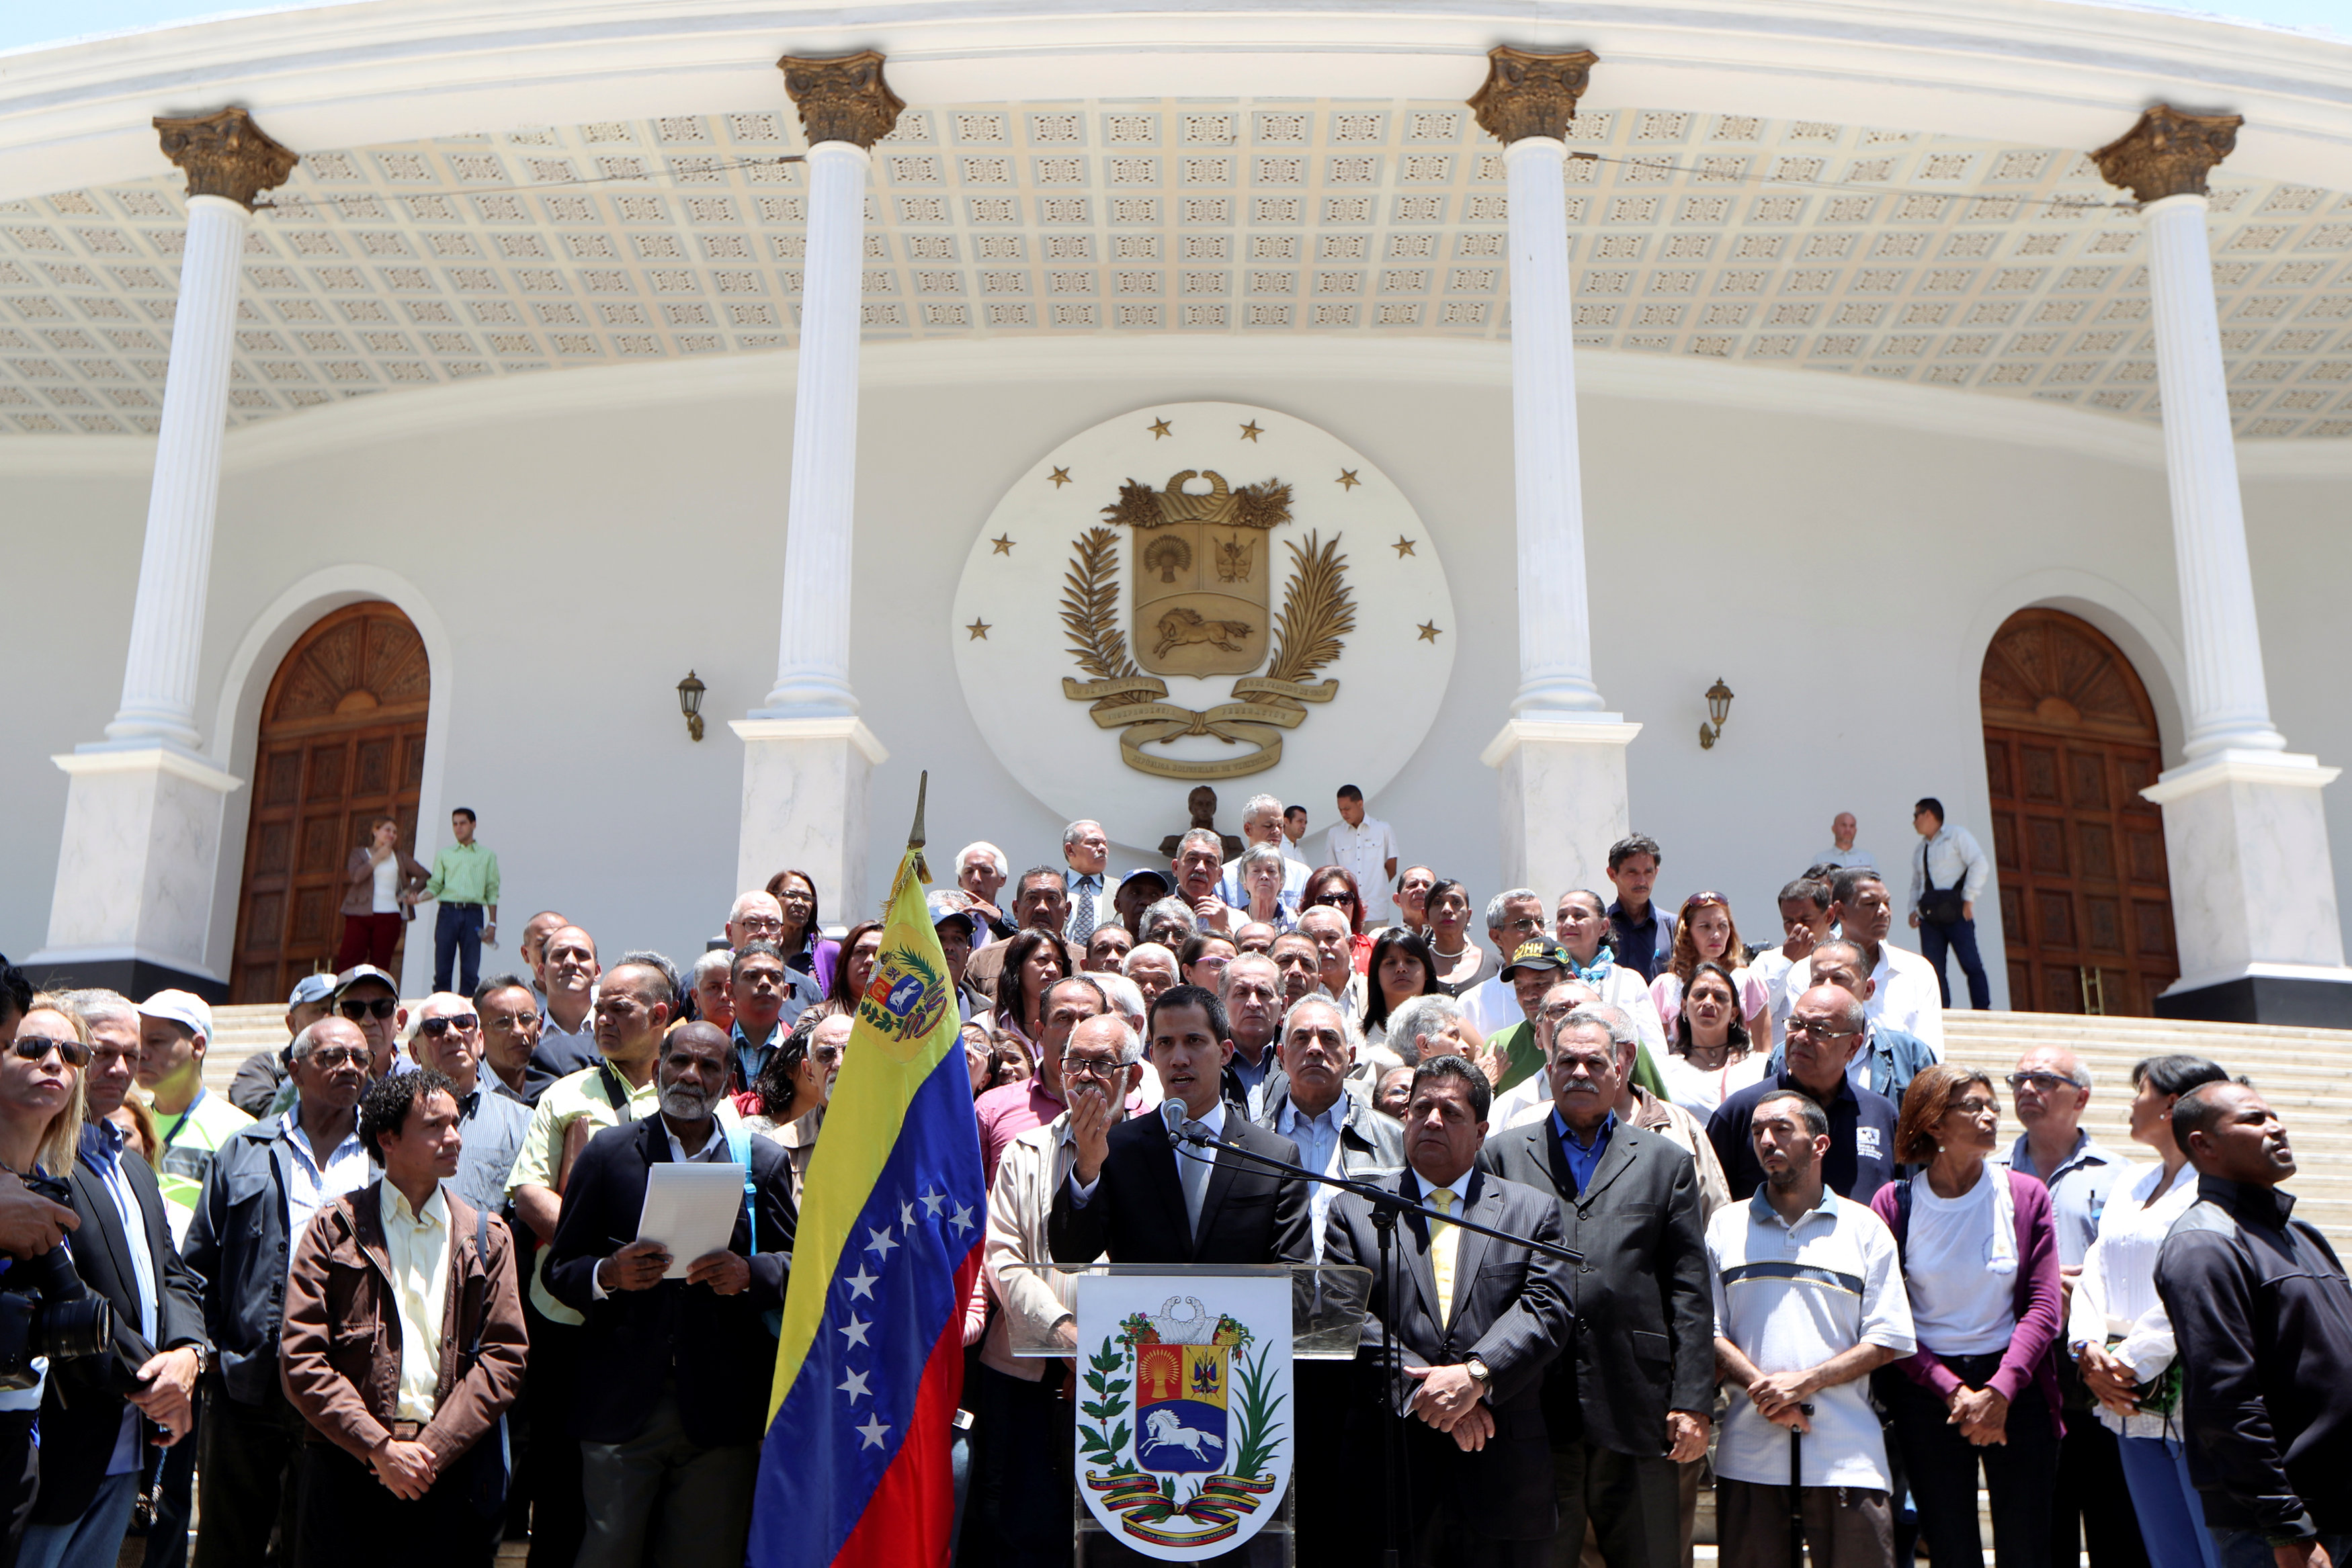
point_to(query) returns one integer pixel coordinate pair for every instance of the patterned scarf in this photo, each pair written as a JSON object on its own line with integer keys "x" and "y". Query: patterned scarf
{"x": 1603, "y": 960}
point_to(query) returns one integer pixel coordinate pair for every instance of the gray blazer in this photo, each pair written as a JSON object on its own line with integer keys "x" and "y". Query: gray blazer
{"x": 1370, "y": 1144}
{"x": 1511, "y": 1310}
{"x": 1645, "y": 1335}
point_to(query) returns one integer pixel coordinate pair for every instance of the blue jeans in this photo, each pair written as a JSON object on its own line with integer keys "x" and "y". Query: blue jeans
{"x": 2172, "y": 1515}
{"x": 94, "y": 1540}
{"x": 2248, "y": 1549}
{"x": 1960, "y": 938}
{"x": 457, "y": 930}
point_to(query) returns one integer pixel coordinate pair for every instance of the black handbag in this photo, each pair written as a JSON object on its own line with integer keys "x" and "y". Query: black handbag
{"x": 1940, "y": 906}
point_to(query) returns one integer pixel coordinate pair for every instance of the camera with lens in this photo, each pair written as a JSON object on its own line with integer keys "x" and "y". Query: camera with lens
{"x": 45, "y": 1309}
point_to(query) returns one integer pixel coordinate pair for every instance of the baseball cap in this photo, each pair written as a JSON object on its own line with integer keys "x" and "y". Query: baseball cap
{"x": 1161, "y": 877}
{"x": 312, "y": 988}
{"x": 358, "y": 972}
{"x": 182, "y": 1008}
{"x": 1536, "y": 955}
{"x": 945, "y": 907}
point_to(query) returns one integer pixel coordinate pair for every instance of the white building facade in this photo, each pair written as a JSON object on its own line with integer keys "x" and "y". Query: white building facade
{"x": 1969, "y": 392}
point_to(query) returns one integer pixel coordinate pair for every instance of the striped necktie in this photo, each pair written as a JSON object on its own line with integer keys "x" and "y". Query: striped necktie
{"x": 1082, "y": 918}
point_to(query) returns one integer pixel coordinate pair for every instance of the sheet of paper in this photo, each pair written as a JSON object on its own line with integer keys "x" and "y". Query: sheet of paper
{"x": 691, "y": 1210}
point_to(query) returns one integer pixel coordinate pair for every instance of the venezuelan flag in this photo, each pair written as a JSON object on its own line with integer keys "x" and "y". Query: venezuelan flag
{"x": 869, "y": 1367}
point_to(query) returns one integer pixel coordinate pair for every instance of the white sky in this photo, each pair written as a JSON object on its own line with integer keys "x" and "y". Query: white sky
{"x": 26, "y": 24}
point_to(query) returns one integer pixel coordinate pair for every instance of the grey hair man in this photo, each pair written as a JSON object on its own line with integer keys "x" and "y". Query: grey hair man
{"x": 1251, "y": 989}
{"x": 712, "y": 1003}
{"x": 493, "y": 1119}
{"x": 1026, "y": 1481}
{"x": 1168, "y": 923}
{"x": 1433, "y": 1025}
{"x": 756, "y": 916}
{"x": 1153, "y": 968}
{"x": 1316, "y": 1103}
{"x": 1513, "y": 918}
{"x": 1199, "y": 868}
{"x": 981, "y": 870}
{"x": 1086, "y": 847}
{"x": 1631, "y": 1397}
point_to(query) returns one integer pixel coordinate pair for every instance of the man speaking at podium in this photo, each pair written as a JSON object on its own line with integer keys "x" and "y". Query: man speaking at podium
{"x": 1135, "y": 1195}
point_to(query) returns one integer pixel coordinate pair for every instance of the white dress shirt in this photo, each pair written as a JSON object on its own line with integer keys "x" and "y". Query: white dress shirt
{"x": 1954, "y": 855}
{"x": 416, "y": 1244}
{"x": 1364, "y": 852}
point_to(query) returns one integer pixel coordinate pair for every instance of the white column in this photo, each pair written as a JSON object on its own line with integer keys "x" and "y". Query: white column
{"x": 1559, "y": 761}
{"x": 167, "y": 620}
{"x": 2228, "y": 704}
{"x": 1555, "y": 624}
{"x": 813, "y": 651}
{"x": 2254, "y": 885}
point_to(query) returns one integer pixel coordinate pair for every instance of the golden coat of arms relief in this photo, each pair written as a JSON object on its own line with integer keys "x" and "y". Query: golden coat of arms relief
{"x": 1201, "y": 564}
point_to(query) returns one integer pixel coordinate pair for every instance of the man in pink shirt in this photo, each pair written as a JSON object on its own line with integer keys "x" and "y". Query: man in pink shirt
{"x": 1006, "y": 1112}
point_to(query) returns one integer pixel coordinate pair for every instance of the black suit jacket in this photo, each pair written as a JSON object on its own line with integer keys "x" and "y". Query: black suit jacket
{"x": 719, "y": 1345}
{"x": 1511, "y": 1310}
{"x": 1644, "y": 1337}
{"x": 1136, "y": 1215}
{"x": 81, "y": 1410}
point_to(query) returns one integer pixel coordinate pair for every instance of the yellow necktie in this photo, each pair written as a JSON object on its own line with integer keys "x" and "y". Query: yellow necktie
{"x": 1443, "y": 1239}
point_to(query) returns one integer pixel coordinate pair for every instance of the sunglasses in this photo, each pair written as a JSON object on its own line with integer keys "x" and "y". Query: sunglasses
{"x": 1820, "y": 1030}
{"x": 339, "y": 1056}
{"x": 2047, "y": 1082}
{"x": 33, "y": 1048}
{"x": 356, "y": 1010}
{"x": 463, "y": 1023}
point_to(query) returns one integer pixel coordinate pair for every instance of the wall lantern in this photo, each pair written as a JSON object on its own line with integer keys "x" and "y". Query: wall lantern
{"x": 689, "y": 702}
{"x": 1718, "y": 707}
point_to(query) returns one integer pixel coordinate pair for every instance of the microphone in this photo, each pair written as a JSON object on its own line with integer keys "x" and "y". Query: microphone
{"x": 1172, "y": 1112}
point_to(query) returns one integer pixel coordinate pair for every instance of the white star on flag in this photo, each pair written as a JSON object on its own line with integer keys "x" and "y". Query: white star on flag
{"x": 872, "y": 1432}
{"x": 880, "y": 1241}
{"x": 962, "y": 1218}
{"x": 854, "y": 1331}
{"x": 856, "y": 1387}
{"x": 932, "y": 1203}
{"x": 906, "y": 1214}
{"x": 862, "y": 1284}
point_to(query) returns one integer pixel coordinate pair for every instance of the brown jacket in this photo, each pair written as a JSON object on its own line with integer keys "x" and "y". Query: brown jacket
{"x": 358, "y": 882}
{"x": 339, "y": 1354}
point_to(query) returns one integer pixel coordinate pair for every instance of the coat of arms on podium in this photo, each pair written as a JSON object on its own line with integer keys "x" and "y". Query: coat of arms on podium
{"x": 1184, "y": 1424}
{"x": 1202, "y": 568}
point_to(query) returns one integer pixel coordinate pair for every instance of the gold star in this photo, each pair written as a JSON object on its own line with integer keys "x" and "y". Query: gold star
{"x": 1348, "y": 480}
{"x": 1250, "y": 432}
{"x": 1403, "y": 546}
{"x": 979, "y": 630}
{"x": 1158, "y": 427}
{"x": 1429, "y": 632}
{"x": 1003, "y": 543}
{"x": 1060, "y": 476}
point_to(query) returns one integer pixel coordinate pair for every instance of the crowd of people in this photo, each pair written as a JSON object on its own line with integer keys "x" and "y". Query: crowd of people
{"x": 387, "y": 1292}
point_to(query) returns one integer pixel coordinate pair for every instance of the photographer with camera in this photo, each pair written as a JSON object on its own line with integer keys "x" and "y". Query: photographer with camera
{"x": 99, "y": 1416}
{"x": 45, "y": 1312}
{"x": 29, "y": 1223}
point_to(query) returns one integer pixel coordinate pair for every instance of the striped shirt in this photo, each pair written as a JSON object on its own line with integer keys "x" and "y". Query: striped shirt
{"x": 1790, "y": 1297}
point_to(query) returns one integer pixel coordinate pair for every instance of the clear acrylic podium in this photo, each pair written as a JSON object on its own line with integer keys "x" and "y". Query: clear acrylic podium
{"x": 1328, "y": 1306}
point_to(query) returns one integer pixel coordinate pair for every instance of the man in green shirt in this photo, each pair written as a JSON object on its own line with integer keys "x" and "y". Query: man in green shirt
{"x": 466, "y": 882}
{"x": 174, "y": 1029}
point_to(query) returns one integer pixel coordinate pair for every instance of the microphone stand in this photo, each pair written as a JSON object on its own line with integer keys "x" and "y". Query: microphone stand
{"x": 1386, "y": 1207}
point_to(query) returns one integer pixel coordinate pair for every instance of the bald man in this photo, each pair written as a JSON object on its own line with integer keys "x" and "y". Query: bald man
{"x": 1826, "y": 1028}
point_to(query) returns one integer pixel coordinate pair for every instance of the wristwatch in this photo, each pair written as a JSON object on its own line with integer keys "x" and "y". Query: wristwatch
{"x": 1478, "y": 1372}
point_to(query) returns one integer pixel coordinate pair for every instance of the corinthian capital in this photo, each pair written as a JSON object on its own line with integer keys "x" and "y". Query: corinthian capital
{"x": 225, "y": 154}
{"x": 843, "y": 98}
{"x": 2168, "y": 153}
{"x": 1530, "y": 94}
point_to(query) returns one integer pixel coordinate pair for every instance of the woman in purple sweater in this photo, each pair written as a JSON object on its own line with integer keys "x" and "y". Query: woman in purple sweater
{"x": 1980, "y": 1262}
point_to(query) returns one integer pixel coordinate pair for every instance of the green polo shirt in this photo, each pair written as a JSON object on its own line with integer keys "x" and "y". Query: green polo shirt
{"x": 464, "y": 873}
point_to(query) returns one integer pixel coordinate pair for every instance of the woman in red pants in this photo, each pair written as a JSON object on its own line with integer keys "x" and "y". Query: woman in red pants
{"x": 381, "y": 882}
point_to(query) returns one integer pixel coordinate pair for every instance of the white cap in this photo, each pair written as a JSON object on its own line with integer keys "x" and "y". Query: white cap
{"x": 183, "y": 1007}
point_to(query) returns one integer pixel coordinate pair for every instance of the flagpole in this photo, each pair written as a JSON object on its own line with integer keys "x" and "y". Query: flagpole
{"x": 915, "y": 833}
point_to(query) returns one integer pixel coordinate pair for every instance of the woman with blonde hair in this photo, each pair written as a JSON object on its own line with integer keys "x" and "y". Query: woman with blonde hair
{"x": 1704, "y": 933}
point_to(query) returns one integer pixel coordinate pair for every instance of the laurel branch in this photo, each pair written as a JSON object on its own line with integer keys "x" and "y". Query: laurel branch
{"x": 1090, "y": 607}
{"x": 1317, "y": 609}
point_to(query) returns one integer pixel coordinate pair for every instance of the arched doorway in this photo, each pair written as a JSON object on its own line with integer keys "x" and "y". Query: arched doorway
{"x": 2070, "y": 741}
{"x": 341, "y": 741}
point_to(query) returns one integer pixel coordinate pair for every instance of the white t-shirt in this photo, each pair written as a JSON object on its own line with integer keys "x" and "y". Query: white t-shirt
{"x": 387, "y": 885}
{"x": 1790, "y": 1297}
{"x": 1958, "y": 1305}
{"x": 1364, "y": 851}
{"x": 1700, "y": 1091}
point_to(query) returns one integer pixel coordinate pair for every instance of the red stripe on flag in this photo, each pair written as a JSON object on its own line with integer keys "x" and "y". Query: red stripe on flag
{"x": 908, "y": 1519}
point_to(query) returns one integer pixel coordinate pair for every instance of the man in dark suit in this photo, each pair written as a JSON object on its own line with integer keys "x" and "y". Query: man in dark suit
{"x": 99, "y": 1414}
{"x": 1477, "y": 1321}
{"x": 671, "y": 1400}
{"x": 1132, "y": 1198}
{"x": 1631, "y": 1396}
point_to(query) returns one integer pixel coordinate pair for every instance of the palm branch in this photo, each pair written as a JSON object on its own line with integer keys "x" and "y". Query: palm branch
{"x": 1317, "y": 609}
{"x": 1090, "y": 606}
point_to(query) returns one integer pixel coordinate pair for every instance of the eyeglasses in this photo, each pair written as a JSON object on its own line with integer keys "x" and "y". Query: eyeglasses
{"x": 339, "y": 1056}
{"x": 34, "y": 1048}
{"x": 2045, "y": 1081}
{"x": 760, "y": 923}
{"x": 1089, "y": 1067}
{"x": 1818, "y": 1029}
{"x": 463, "y": 1023}
{"x": 1524, "y": 922}
{"x": 356, "y": 1010}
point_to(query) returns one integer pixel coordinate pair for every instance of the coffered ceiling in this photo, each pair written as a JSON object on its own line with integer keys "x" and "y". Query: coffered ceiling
{"x": 1980, "y": 265}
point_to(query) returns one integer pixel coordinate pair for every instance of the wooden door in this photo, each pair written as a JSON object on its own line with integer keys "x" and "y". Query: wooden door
{"x": 2070, "y": 741}
{"x": 341, "y": 743}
